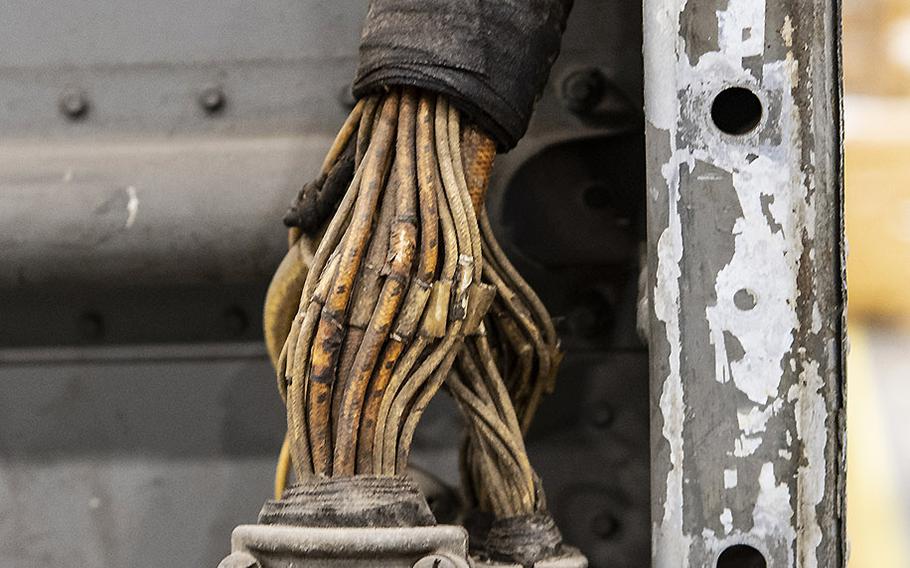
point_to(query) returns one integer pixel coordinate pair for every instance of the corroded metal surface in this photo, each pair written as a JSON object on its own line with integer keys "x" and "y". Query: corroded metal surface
{"x": 745, "y": 280}
{"x": 280, "y": 546}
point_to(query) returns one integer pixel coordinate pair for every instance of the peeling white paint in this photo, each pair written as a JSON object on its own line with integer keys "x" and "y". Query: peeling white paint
{"x": 730, "y": 478}
{"x": 674, "y": 543}
{"x": 745, "y": 446}
{"x": 670, "y": 543}
{"x": 771, "y": 517}
{"x": 786, "y": 32}
{"x": 810, "y": 428}
{"x": 778, "y": 211}
{"x": 726, "y": 519}
{"x": 741, "y": 28}
{"x": 754, "y": 419}
{"x": 132, "y": 206}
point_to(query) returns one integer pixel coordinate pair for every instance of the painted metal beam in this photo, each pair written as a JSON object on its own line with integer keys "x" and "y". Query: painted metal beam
{"x": 742, "y": 99}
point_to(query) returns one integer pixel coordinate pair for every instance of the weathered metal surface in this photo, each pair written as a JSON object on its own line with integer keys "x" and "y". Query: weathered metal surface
{"x": 570, "y": 558}
{"x": 148, "y": 184}
{"x": 279, "y": 546}
{"x": 745, "y": 281}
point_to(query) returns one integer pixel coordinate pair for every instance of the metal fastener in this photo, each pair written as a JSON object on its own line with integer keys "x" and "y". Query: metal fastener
{"x": 74, "y": 104}
{"x": 604, "y": 525}
{"x": 582, "y": 90}
{"x": 212, "y": 100}
{"x": 440, "y": 561}
{"x": 240, "y": 560}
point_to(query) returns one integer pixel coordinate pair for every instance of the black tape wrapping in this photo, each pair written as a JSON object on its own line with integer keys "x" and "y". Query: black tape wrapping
{"x": 317, "y": 200}
{"x": 491, "y": 57}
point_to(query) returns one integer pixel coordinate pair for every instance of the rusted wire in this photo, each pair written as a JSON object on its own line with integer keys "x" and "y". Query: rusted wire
{"x": 408, "y": 291}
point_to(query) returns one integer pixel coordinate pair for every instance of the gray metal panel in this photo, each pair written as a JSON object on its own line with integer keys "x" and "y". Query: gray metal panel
{"x": 745, "y": 243}
{"x": 176, "y": 440}
{"x": 282, "y": 62}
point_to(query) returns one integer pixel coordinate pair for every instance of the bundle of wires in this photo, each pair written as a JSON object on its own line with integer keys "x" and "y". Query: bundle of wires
{"x": 406, "y": 290}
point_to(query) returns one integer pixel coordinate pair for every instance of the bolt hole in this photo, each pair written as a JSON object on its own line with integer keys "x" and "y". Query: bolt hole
{"x": 745, "y": 299}
{"x": 741, "y": 556}
{"x": 736, "y": 111}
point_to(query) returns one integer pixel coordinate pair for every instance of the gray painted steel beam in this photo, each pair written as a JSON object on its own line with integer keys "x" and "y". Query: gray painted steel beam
{"x": 746, "y": 281}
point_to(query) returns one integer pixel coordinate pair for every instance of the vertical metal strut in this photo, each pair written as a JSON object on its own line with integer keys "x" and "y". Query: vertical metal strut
{"x": 746, "y": 285}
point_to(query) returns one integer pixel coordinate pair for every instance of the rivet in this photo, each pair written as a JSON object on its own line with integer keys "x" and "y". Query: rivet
{"x": 583, "y": 90}
{"x": 438, "y": 561}
{"x": 212, "y": 100}
{"x": 74, "y": 104}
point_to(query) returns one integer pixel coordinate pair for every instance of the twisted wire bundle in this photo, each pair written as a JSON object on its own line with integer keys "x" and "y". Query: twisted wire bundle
{"x": 384, "y": 304}
{"x": 499, "y": 380}
{"x": 407, "y": 291}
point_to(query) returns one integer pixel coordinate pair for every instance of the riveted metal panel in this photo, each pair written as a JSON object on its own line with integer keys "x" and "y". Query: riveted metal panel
{"x": 130, "y": 377}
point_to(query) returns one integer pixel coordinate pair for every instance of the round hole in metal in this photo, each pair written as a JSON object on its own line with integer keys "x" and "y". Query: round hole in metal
{"x": 745, "y": 299}
{"x": 736, "y": 111}
{"x": 741, "y": 556}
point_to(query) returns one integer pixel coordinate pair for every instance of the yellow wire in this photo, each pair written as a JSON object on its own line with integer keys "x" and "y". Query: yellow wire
{"x": 283, "y": 467}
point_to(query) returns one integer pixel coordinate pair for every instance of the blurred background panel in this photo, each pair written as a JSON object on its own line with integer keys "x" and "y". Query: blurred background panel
{"x": 877, "y": 116}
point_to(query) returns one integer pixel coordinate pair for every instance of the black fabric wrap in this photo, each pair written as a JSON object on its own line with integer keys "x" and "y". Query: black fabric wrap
{"x": 359, "y": 501}
{"x": 491, "y": 57}
{"x": 317, "y": 200}
{"x": 526, "y": 539}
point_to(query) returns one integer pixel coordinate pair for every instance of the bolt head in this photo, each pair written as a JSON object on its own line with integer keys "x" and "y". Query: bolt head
{"x": 240, "y": 560}
{"x": 582, "y": 90}
{"x": 440, "y": 561}
{"x": 604, "y": 525}
{"x": 74, "y": 104}
{"x": 212, "y": 100}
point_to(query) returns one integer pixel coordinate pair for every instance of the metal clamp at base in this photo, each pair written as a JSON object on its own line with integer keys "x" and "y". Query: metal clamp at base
{"x": 570, "y": 558}
{"x": 282, "y": 546}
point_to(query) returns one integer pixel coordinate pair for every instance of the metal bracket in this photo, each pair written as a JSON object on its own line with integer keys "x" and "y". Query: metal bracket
{"x": 277, "y": 546}
{"x": 742, "y": 99}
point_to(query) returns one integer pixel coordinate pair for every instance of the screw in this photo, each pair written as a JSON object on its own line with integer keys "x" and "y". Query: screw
{"x": 74, "y": 104}
{"x": 582, "y": 90}
{"x": 212, "y": 100}
{"x": 439, "y": 561}
{"x": 239, "y": 560}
